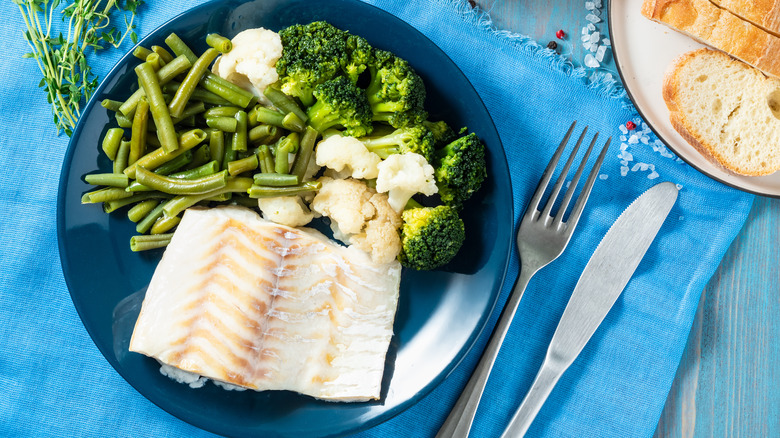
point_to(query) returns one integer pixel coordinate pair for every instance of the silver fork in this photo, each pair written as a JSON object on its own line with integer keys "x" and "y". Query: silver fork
{"x": 541, "y": 238}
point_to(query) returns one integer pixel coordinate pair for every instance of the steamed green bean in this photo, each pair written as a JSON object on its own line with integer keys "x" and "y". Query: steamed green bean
{"x": 162, "y": 117}
{"x": 111, "y": 142}
{"x": 220, "y": 43}
{"x": 184, "y": 92}
{"x": 147, "y": 242}
{"x": 139, "y": 131}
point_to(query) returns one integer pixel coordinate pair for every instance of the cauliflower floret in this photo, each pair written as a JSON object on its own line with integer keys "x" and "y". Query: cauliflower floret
{"x": 285, "y": 210}
{"x": 403, "y": 175}
{"x": 360, "y": 217}
{"x": 347, "y": 156}
{"x": 251, "y": 64}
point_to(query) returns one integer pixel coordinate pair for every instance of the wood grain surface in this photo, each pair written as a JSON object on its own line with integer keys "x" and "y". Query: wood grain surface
{"x": 728, "y": 382}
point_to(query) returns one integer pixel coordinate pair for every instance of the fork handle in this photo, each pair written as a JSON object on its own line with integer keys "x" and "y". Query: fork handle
{"x": 458, "y": 423}
{"x": 543, "y": 384}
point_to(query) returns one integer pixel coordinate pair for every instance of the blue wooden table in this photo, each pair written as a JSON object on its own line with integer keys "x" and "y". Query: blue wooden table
{"x": 729, "y": 379}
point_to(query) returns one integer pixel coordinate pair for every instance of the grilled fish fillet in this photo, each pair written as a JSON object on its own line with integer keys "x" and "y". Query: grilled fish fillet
{"x": 245, "y": 301}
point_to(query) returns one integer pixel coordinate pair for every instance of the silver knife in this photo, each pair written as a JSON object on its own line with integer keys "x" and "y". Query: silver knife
{"x": 604, "y": 278}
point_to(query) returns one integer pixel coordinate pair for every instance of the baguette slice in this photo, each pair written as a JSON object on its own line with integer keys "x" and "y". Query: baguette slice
{"x": 719, "y": 29}
{"x": 727, "y": 110}
{"x": 763, "y": 13}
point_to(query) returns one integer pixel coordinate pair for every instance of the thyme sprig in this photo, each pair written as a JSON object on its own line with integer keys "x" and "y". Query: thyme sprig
{"x": 67, "y": 77}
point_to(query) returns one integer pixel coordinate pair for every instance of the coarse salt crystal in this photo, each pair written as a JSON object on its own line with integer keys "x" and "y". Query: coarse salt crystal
{"x": 596, "y": 12}
{"x": 644, "y": 139}
{"x": 597, "y": 4}
{"x": 593, "y": 18}
{"x": 623, "y": 129}
{"x": 653, "y": 175}
{"x": 594, "y": 37}
{"x": 590, "y": 6}
{"x": 633, "y": 139}
{"x": 590, "y": 61}
{"x": 623, "y": 146}
{"x": 586, "y": 45}
{"x": 591, "y": 27}
{"x": 679, "y": 187}
{"x": 623, "y": 170}
{"x": 585, "y": 38}
{"x": 603, "y": 177}
{"x": 593, "y": 48}
{"x": 636, "y": 167}
{"x": 600, "y": 53}
{"x": 607, "y": 42}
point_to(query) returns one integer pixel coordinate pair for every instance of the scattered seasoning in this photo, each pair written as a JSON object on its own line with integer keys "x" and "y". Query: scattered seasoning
{"x": 560, "y": 34}
{"x": 552, "y": 45}
{"x": 630, "y": 125}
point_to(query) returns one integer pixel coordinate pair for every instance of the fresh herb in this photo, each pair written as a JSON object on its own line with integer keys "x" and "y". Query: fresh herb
{"x": 62, "y": 59}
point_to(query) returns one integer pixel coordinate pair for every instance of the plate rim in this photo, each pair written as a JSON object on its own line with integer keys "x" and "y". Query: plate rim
{"x": 638, "y": 107}
{"x": 426, "y": 390}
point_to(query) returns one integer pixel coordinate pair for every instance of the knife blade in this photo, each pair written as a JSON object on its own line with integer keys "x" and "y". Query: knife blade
{"x": 602, "y": 281}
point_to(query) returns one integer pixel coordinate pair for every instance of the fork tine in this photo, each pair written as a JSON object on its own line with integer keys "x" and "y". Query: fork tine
{"x": 583, "y": 198}
{"x": 562, "y": 178}
{"x": 533, "y": 204}
{"x": 573, "y": 185}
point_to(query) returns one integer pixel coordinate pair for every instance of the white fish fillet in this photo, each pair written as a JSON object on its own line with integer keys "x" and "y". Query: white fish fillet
{"x": 245, "y": 301}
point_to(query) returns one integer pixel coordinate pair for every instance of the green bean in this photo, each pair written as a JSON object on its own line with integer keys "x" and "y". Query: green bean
{"x": 238, "y": 141}
{"x": 139, "y": 131}
{"x": 111, "y": 105}
{"x": 193, "y": 108}
{"x": 284, "y": 102}
{"x": 197, "y": 172}
{"x": 243, "y": 165}
{"x": 157, "y": 157}
{"x": 147, "y": 242}
{"x": 270, "y": 192}
{"x": 123, "y": 121}
{"x": 164, "y": 54}
{"x": 108, "y": 179}
{"x": 293, "y": 123}
{"x": 111, "y": 142}
{"x": 200, "y": 156}
{"x": 282, "y": 159}
{"x": 262, "y": 115}
{"x": 175, "y": 164}
{"x": 155, "y": 60}
{"x": 227, "y": 90}
{"x": 217, "y": 145}
{"x": 113, "y": 205}
{"x": 103, "y": 195}
{"x": 263, "y": 134}
{"x": 305, "y": 151}
{"x": 120, "y": 164}
{"x": 162, "y": 117}
{"x": 219, "y": 42}
{"x": 221, "y": 111}
{"x": 164, "y": 223}
{"x": 229, "y": 155}
{"x": 226, "y": 124}
{"x": 176, "y": 186}
{"x": 141, "y": 209}
{"x": 266, "y": 158}
{"x": 180, "y": 48}
{"x": 180, "y": 203}
{"x": 275, "y": 179}
{"x": 146, "y": 223}
{"x": 164, "y": 75}
{"x": 141, "y": 53}
{"x": 183, "y": 94}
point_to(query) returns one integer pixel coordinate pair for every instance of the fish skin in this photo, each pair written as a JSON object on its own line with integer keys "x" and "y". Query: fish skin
{"x": 248, "y": 302}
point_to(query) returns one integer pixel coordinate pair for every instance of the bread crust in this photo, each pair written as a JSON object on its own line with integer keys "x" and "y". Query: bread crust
{"x": 762, "y": 13}
{"x": 681, "y": 124}
{"x": 719, "y": 29}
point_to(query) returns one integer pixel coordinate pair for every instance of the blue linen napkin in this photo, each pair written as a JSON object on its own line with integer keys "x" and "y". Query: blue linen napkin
{"x": 56, "y": 383}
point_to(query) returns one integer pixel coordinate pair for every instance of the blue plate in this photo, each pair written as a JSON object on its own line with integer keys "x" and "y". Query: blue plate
{"x": 440, "y": 313}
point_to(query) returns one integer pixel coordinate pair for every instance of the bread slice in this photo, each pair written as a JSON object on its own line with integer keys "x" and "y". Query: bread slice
{"x": 763, "y": 13}
{"x": 720, "y": 29}
{"x": 727, "y": 110}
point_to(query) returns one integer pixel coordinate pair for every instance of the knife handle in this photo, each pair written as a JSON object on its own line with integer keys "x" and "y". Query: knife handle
{"x": 546, "y": 379}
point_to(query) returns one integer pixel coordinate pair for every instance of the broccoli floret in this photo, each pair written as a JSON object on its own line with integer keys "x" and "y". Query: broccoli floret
{"x": 442, "y": 132}
{"x": 460, "y": 169}
{"x": 312, "y": 54}
{"x": 359, "y": 56}
{"x": 430, "y": 236}
{"x": 342, "y": 105}
{"x": 396, "y": 93}
{"x": 413, "y": 138}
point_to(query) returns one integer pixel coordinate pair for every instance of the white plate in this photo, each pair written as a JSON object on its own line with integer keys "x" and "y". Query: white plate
{"x": 643, "y": 50}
